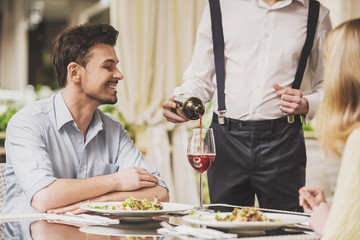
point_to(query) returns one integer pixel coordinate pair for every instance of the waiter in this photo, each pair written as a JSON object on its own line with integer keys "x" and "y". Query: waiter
{"x": 263, "y": 45}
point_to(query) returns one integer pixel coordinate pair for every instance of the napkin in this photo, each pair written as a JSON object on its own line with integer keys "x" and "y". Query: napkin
{"x": 184, "y": 230}
{"x": 83, "y": 218}
{"x": 27, "y": 216}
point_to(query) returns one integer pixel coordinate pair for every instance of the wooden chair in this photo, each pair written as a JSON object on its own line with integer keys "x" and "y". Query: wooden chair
{"x": 2, "y": 194}
{"x": 2, "y": 184}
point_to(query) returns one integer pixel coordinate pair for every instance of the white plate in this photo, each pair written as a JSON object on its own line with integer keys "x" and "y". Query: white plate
{"x": 208, "y": 219}
{"x": 136, "y": 215}
{"x": 141, "y": 230}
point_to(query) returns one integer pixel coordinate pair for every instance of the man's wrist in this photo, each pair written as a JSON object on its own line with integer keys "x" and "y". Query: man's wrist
{"x": 305, "y": 104}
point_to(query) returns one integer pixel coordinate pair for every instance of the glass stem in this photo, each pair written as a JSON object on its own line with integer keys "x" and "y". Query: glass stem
{"x": 201, "y": 191}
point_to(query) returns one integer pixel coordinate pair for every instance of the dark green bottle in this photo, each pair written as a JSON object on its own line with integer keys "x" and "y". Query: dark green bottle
{"x": 192, "y": 107}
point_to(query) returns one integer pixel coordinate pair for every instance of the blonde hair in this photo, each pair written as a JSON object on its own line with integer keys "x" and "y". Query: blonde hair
{"x": 339, "y": 113}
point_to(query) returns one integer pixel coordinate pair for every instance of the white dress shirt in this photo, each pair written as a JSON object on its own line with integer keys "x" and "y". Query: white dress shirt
{"x": 262, "y": 47}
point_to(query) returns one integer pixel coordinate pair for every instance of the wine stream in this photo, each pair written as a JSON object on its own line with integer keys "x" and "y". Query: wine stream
{"x": 200, "y": 117}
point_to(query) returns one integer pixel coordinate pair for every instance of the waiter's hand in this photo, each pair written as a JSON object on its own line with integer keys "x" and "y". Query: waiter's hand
{"x": 172, "y": 113}
{"x": 292, "y": 100}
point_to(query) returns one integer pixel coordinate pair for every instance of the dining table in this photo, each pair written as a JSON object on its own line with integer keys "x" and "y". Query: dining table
{"x": 171, "y": 225}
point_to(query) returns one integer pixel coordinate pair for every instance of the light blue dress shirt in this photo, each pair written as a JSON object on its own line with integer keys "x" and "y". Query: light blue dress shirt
{"x": 43, "y": 143}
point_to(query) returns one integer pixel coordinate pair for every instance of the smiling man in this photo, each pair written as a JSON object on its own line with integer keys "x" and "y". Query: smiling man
{"x": 63, "y": 151}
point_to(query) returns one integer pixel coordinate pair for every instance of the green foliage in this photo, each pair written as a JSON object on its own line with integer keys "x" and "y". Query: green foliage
{"x": 207, "y": 119}
{"x": 108, "y": 108}
{"x": 113, "y": 111}
{"x": 5, "y": 118}
{"x": 126, "y": 125}
{"x": 308, "y": 126}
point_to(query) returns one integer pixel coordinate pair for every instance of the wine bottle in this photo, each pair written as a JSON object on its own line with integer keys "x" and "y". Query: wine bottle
{"x": 191, "y": 107}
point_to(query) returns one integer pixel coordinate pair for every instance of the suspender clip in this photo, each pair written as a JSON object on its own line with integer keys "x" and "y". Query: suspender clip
{"x": 221, "y": 117}
{"x": 290, "y": 119}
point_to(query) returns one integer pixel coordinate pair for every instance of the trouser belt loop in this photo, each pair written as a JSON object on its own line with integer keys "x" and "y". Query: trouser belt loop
{"x": 228, "y": 124}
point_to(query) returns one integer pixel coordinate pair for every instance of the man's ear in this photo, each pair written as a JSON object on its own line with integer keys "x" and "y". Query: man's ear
{"x": 73, "y": 72}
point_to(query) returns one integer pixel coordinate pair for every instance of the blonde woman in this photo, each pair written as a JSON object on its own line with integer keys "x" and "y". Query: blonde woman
{"x": 338, "y": 129}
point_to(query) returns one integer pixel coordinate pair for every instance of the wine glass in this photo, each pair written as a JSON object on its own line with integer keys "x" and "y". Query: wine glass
{"x": 201, "y": 153}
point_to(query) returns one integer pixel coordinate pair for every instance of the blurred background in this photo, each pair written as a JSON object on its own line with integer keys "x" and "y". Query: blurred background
{"x": 156, "y": 39}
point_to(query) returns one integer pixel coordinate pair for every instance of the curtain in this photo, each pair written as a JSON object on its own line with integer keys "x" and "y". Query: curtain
{"x": 155, "y": 44}
{"x": 342, "y": 10}
{"x": 13, "y": 45}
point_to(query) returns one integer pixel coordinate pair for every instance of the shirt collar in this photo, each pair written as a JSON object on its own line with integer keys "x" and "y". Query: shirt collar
{"x": 96, "y": 124}
{"x": 63, "y": 115}
{"x": 301, "y": 1}
{"x": 283, "y": 3}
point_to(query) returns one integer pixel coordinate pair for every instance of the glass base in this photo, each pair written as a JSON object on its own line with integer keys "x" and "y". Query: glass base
{"x": 202, "y": 209}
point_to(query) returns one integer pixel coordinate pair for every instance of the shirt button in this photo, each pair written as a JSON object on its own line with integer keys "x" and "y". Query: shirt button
{"x": 81, "y": 169}
{"x": 79, "y": 140}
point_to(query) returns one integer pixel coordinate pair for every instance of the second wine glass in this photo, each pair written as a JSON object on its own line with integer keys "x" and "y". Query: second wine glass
{"x": 201, "y": 153}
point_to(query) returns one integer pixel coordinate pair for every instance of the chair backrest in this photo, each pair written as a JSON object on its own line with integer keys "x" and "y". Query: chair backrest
{"x": 2, "y": 194}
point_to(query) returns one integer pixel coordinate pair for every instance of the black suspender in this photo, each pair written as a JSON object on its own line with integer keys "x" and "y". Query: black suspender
{"x": 218, "y": 45}
{"x": 313, "y": 16}
{"x": 311, "y": 29}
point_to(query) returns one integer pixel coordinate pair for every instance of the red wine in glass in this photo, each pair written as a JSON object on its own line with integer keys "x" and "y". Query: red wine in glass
{"x": 201, "y": 162}
{"x": 201, "y": 153}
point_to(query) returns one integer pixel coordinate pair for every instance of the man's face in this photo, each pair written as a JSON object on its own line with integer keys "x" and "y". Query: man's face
{"x": 100, "y": 76}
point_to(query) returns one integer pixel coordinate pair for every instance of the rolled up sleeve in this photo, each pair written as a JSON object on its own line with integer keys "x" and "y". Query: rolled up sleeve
{"x": 27, "y": 154}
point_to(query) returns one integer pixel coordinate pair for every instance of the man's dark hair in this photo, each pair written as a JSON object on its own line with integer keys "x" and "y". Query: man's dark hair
{"x": 75, "y": 43}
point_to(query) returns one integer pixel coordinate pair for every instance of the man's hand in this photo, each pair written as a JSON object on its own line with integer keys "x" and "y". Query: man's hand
{"x": 292, "y": 100}
{"x": 172, "y": 113}
{"x": 311, "y": 197}
{"x": 133, "y": 178}
{"x": 70, "y": 191}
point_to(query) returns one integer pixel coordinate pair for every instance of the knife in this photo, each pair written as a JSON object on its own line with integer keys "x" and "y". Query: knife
{"x": 261, "y": 209}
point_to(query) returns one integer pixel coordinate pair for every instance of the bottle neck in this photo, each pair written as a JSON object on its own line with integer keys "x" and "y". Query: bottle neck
{"x": 180, "y": 99}
{"x": 198, "y": 110}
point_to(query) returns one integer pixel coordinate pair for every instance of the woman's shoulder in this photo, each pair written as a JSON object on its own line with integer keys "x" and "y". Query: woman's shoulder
{"x": 351, "y": 147}
{"x": 354, "y": 136}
